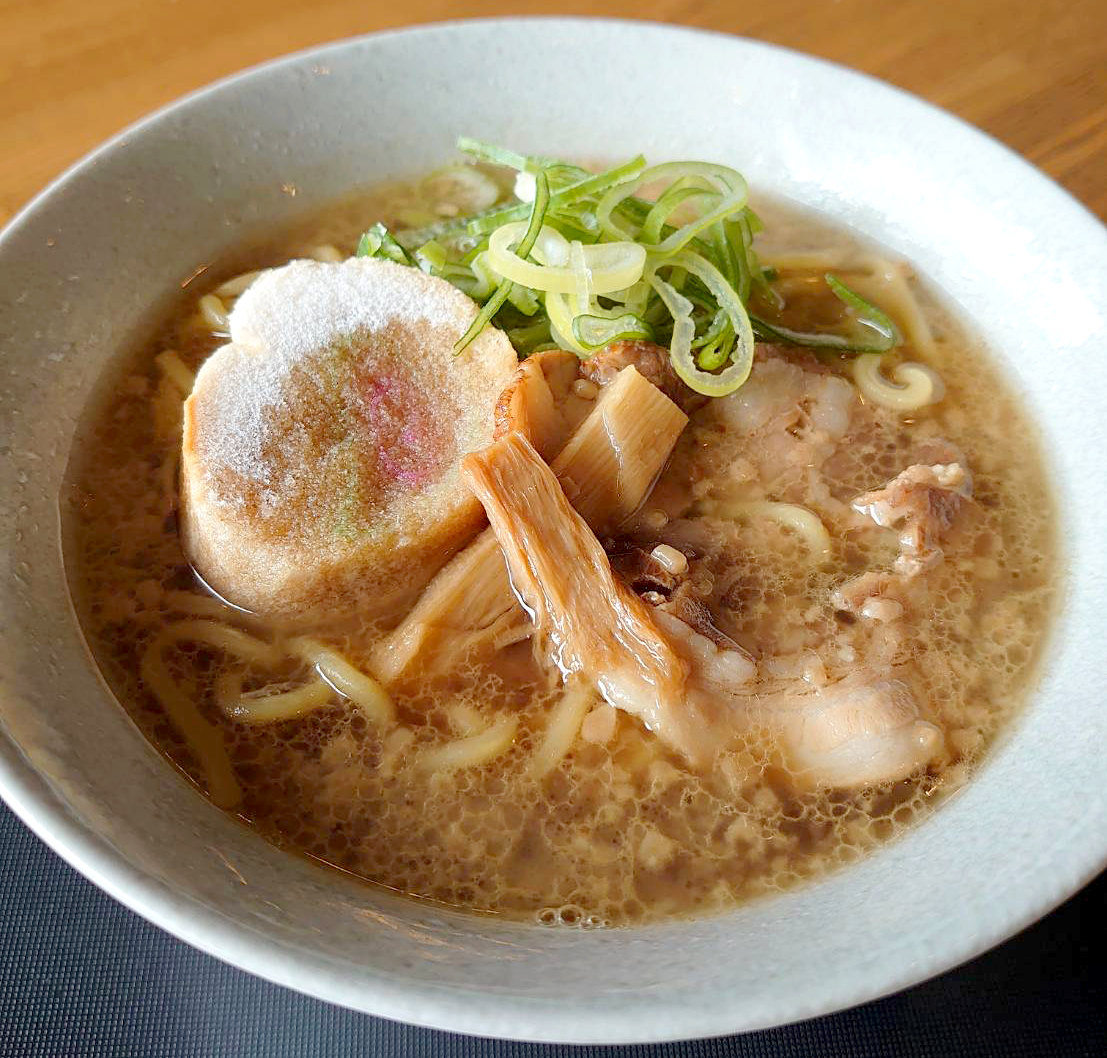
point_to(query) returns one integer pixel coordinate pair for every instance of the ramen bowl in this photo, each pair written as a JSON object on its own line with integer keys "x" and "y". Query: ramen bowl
{"x": 92, "y": 264}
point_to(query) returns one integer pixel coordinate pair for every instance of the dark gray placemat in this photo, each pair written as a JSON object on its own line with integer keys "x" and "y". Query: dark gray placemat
{"x": 82, "y": 977}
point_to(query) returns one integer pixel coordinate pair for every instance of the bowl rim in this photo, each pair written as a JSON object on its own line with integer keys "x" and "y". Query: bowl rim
{"x": 29, "y": 795}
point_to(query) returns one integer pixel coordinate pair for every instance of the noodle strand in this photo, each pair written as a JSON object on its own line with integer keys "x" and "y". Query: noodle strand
{"x": 196, "y": 605}
{"x": 214, "y": 313}
{"x": 472, "y": 751}
{"x": 226, "y": 638}
{"x": 279, "y": 705}
{"x": 174, "y": 369}
{"x": 233, "y": 288}
{"x": 562, "y": 729}
{"x": 204, "y": 739}
{"x": 911, "y": 387}
{"x": 364, "y": 691}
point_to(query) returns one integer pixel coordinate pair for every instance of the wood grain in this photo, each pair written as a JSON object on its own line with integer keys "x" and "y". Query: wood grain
{"x": 1033, "y": 73}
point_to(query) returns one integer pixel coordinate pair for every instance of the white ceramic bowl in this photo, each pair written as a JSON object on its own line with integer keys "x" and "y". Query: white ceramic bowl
{"x": 87, "y": 267}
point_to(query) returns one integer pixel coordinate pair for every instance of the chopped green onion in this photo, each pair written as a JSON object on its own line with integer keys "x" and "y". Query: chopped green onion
{"x": 732, "y": 198}
{"x": 587, "y": 262}
{"x": 524, "y": 299}
{"x": 611, "y": 265}
{"x": 378, "y": 242}
{"x": 730, "y": 256}
{"x": 594, "y": 332}
{"x": 490, "y": 152}
{"x": 740, "y": 354}
{"x": 668, "y": 204}
{"x": 561, "y": 323}
{"x": 527, "y": 339}
{"x": 713, "y": 354}
{"x": 684, "y": 330}
{"x": 634, "y": 298}
{"x": 484, "y": 279}
{"x": 495, "y": 303}
{"x": 431, "y": 257}
{"x": 737, "y": 246}
{"x": 717, "y": 327}
{"x": 566, "y": 196}
{"x": 571, "y": 227}
{"x": 582, "y": 275}
{"x": 484, "y": 317}
{"x": 863, "y": 311}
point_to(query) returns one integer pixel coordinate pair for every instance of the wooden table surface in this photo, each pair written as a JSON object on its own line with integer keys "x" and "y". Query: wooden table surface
{"x": 1033, "y": 73}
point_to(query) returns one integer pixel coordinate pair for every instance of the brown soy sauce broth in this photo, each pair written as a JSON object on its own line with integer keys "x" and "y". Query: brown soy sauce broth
{"x": 620, "y": 832}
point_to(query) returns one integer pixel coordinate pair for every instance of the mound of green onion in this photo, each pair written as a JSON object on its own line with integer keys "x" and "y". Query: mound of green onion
{"x": 579, "y": 260}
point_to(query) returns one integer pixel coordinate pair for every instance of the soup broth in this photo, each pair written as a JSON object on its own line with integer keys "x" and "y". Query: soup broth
{"x": 621, "y": 830}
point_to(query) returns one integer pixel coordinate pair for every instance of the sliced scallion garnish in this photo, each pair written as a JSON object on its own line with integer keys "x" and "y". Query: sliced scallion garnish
{"x": 566, "y": 196}
{"x": 730, "y": 196}
{"x": 864, "y": 311}
{"x": 739, "y": 352}
{"x": 431, "y": 257}
{"x": 526, "y": 244}
{"x": 496, "y": 155}
{"x": 882, "y": 334}
{"x": 595, "y": 332}
{"x": 379, "y": 242}
{"x": 579, "y": 260}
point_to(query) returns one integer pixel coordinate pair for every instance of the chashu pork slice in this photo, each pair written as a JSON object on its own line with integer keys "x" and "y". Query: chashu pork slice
{"x": 321, "y": 445}
{"x": 692, "y": 692}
